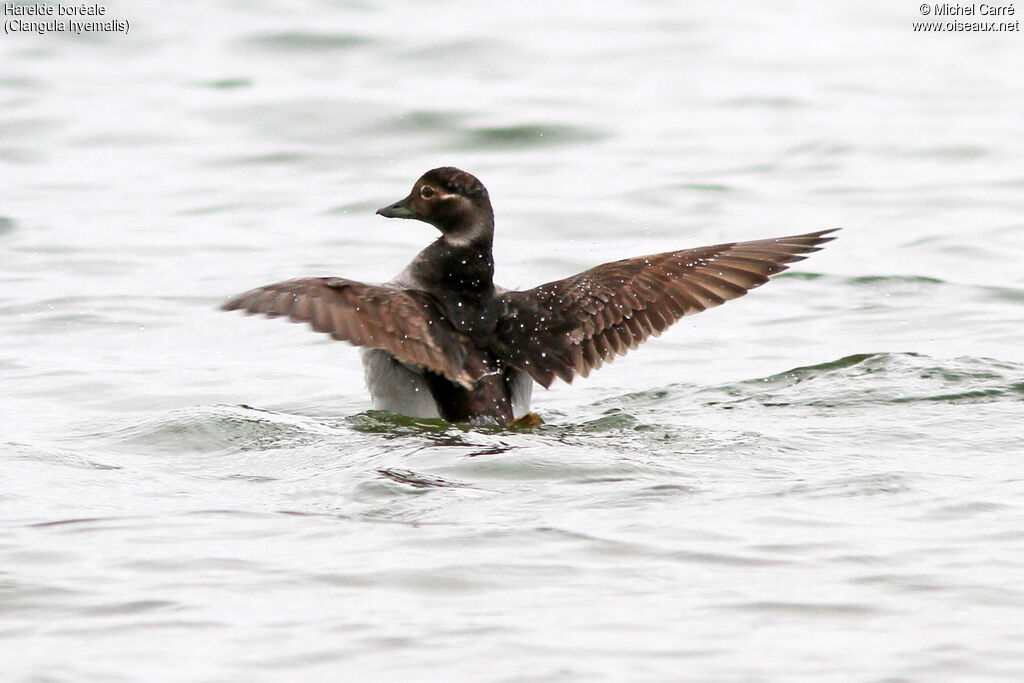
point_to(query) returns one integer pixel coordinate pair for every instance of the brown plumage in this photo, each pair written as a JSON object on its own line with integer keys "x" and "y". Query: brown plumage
{"x": 405, "y": 323}
{"x": 573, "y": 326}
{"x": 445, "y": 330}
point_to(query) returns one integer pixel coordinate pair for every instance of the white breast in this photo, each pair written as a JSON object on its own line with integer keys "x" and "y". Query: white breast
{"x": 397, "y": 387}
{"x": 400, "y": 388}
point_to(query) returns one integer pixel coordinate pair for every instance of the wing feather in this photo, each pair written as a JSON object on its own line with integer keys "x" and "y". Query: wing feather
{"x": 405, "y": 323}
{"x": 572, "y": 326}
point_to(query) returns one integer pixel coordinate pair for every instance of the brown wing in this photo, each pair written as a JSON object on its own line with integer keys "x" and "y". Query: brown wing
{"x": 405, "y": 323}
{"x": 574, "y": 325}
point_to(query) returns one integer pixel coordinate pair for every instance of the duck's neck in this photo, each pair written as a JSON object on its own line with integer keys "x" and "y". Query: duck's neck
{"x": 471, "y": 229}
{"x": 461, "y": 271}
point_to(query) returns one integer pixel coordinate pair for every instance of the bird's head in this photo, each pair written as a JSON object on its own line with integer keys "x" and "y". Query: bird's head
{"x": 453, "y": 201}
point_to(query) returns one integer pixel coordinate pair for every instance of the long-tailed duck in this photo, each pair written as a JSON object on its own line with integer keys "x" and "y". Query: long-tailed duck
{"x": 442, "y": 340}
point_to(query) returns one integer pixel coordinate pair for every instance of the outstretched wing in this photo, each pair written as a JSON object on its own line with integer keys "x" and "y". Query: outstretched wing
{"x": 405, "y": 323}
{"x": 573, "y": 326}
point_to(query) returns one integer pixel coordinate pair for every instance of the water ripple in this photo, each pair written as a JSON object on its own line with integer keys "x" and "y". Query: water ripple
{"x": 298, "y": 42}
{"x": 883, "y": 378}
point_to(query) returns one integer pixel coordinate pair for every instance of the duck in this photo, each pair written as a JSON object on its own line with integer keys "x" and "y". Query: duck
{"x": 442, "y": 340}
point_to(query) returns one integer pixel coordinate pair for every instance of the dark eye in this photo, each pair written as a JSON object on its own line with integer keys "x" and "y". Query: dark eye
{"x": 427, "y": 192}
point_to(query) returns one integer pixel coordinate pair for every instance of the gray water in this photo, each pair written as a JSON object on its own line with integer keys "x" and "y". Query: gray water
{"x": 820, "y": 481}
